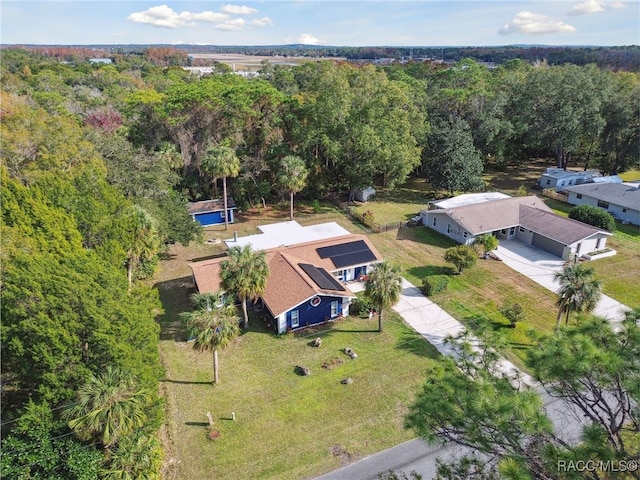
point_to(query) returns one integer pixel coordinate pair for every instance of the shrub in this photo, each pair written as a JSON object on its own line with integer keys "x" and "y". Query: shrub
{"x": 593, "y": 216}
{"x": 361, "y": 306}
{"x": 434, "y": 284}
{"x": 486, "y": 242}
{"x": 513, "y": 312}
{"x": 316, "y": 206}
{"x": 461, "y": 256}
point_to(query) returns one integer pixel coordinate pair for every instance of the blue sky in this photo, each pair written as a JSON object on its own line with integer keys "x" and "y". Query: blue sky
{"x": 326, "y": 22}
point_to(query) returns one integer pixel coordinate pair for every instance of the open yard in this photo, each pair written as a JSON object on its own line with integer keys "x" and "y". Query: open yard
{"x": 619, "y": 274}
{"x": 288, "y": 426}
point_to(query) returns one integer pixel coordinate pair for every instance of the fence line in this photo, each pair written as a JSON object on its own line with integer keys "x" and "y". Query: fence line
{"x": 368, "y": 222}
{"x": 548, "y": 192}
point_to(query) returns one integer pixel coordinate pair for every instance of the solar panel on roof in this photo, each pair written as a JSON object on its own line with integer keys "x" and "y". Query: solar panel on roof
{"x": 354, "y": 258}
{"x": 346, "y": 254}
{"x": 321, "y": 277}
{"x": 342, "y": 249}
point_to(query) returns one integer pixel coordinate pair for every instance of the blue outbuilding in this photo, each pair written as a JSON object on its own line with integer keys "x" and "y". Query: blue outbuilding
{"x": 211, "y": 212}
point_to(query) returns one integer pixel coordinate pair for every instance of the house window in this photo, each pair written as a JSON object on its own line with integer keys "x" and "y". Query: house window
{"x": 334, "y": 309}
{"x": 603, "y": 204}
{"x": 464, "y": 234}
{"x": 578, "y": 196}
{"x": 448, "y": 228}
{"x": 521, "y": 229}
{"x": 512, "y": 231}
{"x": 548, "y": 182}
{"x": 624, "y": 210}
{"x": 295, "y": 319}
{"x": 434, "y": 221}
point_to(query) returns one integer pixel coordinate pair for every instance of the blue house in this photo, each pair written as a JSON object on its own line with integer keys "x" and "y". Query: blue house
{"x": 211, "y": 212}
{"x": 308, "y": 282}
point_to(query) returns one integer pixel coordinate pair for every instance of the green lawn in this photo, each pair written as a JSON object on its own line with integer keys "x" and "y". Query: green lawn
{"x": 297, "y": 427}
{"x": 399, "y": 204}
{"x": 287, "y": 426}
{"x": 477, "y": 295}
{"x": 290, "y": 426}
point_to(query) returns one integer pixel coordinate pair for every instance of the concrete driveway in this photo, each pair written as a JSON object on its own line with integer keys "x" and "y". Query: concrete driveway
{"x": 541, "y": 266}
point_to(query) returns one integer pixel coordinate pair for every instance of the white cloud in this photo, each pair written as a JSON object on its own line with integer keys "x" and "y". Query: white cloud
{"x": 161, "y": 16}
{"x": 587, "y": 7}
{"x": 617, "y": 5}
{"x": 164, "y": 16}
{"x": 308, "y": 39}
{"x": 238, "y": 10}
{"x": 232, "y": 25}
{"x": 535, "y": 24}
{"x": 213, "y": 17}
{"x": 261, "y": 22}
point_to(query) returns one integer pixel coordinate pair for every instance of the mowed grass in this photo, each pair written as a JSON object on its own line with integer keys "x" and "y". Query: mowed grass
{"x": 475, "y": 297}
{"x": 297, "y": 427}
{"x": 287, "y": 426}
{"x": 397, "y": 205}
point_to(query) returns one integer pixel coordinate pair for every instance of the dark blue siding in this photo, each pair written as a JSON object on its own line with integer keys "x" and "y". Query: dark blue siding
{"x": 310, "y": 315}
{"x": 212, "y": 218}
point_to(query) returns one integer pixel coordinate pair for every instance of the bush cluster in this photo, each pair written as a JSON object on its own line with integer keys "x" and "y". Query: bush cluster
{"x": 593, "y": 216}
{"x": 361, "y": 305}
{"x": 434, "y": 284}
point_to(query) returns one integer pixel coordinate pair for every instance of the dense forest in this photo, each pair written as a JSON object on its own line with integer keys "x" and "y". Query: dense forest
{"x": 99, "y": 161}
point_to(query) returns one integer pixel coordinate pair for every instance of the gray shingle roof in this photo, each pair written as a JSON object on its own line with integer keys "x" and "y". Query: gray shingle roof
{"x": 564, "y": 230}
{"x": 494, "y": 215}
{"x": 617, "y": 193}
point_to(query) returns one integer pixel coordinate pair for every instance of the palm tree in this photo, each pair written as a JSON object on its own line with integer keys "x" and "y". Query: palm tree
{"x": 221, "y": 161}
{"x": 145, "y": 241}
{"x": 383, "y": 287}
{"x": 108, "y": 407}
{"x": 214, "y": 324}
{"x": 292, "y": 176}
{"x": 137, "y": 456}
{"x": 579, "y": 290}
{"x": 245, "y": 274}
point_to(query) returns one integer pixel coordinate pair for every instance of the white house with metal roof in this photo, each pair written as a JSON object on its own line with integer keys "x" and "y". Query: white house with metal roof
{"x": 558, "y": 179}
{"x": 620, "y": 200}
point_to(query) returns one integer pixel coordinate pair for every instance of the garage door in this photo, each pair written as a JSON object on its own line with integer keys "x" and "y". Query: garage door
{"x": 548, "y": 245}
